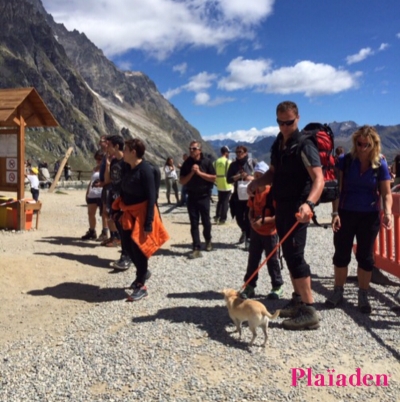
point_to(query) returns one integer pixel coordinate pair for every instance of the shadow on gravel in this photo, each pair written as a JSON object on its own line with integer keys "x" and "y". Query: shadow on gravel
{"x": 349, "y": 307}
{"x": 212, "y": 320}
{"x": 68, "y": 241}
{"x": 81, "y": 291}
{"x": 207, "y": 295}
{"x": 168, "y": 252}
{"x": 216, "y": 246}
{"x": 92, "y": 260}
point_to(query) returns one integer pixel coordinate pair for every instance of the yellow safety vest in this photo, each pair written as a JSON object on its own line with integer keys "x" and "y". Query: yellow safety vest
{"x": 221, "y": 166}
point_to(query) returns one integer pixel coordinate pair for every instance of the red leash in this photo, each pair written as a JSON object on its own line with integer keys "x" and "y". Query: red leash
{"x": 271, "y": 254}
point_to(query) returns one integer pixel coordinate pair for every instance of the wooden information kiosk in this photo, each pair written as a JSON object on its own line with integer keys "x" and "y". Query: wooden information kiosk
{"x": 20, "y": 108}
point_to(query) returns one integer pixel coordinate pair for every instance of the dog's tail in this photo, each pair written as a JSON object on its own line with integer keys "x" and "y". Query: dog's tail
{"x": 273, "y": 316}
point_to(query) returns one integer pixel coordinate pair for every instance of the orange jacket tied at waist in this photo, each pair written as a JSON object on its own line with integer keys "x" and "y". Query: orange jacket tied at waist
{"x": 133, "y": 218}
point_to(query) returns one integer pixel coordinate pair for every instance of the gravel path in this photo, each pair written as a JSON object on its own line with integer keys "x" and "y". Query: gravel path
{"x": 177, "y": 345}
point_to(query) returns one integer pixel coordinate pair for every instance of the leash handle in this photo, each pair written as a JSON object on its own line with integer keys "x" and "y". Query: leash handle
{"x": 272, "y": 252}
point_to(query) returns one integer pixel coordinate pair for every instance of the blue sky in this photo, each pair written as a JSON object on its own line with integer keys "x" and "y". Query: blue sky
{"x": 226, "y": 64}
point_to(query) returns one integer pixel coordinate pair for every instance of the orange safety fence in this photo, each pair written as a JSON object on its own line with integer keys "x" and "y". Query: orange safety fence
{"x": 387, "y": 244}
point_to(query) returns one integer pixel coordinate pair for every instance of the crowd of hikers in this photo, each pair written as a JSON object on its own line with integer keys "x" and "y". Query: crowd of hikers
{"x": 268, "y": 202}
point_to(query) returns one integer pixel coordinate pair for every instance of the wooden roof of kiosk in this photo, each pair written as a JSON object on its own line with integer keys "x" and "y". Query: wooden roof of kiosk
{"x": 20, "y": 108}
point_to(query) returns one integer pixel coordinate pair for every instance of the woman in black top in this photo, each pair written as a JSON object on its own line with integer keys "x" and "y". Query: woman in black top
{"x": 138, "y": 186}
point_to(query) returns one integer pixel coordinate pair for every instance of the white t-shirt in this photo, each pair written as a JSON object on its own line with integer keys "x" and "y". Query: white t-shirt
{"x": 94, "y": 192}
{"x": 170, "y": 173}
{"x": 34, "y": 180}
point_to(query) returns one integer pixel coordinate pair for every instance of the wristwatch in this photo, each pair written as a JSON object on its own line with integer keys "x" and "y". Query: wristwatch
{"x": 310, "y": 204}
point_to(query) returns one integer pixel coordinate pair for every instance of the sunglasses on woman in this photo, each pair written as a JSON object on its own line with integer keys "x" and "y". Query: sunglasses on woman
{"x": 363, "y": 144}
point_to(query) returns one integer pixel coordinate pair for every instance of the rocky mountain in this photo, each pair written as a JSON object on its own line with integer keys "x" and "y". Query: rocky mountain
{"x": 87, "y": 94}
{"x": 260, "y": 148}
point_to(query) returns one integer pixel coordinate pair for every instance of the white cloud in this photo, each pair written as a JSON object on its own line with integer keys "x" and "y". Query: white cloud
{"x": 181, "y": 68}
{"x": 198, "y": 83}
{"x": 383, "y": 46}
{"x": 245, "y": 135}
{"x": 306, "y": 77}
{"x": 244, "y": 74}
{"x": 172, "y": 92}
{"x": 159, "y": 27}
{"x": 398, "y": 35}
{"x": 201, "y": 98}
{"x": 360, "y": 56}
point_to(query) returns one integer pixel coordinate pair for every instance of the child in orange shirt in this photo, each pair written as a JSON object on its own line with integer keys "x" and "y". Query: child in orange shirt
{"x": 263, "y": 238}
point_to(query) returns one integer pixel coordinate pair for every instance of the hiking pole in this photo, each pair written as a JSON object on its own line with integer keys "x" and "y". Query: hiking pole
{"x": 271, "y": 253}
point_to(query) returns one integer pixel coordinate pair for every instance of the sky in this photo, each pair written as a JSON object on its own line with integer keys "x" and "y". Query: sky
{"x": 226, "y": 64}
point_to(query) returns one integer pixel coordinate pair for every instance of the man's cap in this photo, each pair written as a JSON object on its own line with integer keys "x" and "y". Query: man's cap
{"x": 224, "y": 149}
{"x": 261, "y": 167}
{"x": 35, "y": 170}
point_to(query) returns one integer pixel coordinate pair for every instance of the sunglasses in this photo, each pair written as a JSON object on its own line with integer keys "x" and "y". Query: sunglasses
{"x": 239, "y": 152}
{"x": 285, "y": 123}
{"x": 193, "y": 148}
{"x": 363, "y": 144}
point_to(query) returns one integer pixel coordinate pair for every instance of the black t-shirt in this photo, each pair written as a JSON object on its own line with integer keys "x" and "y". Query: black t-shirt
{"x": 137, "y": 186}
{"x": 197, "y": 185}
{"x": 291, "y": 182}
{"x": 116, "y": 168}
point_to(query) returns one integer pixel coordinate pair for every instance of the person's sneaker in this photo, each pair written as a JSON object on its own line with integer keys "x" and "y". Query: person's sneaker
{"x": 290, "y": 309}
{"x": 105, "y": 241}
{"x": 209, "y": 246}
{"x": 90, "y": 235}
{"x": 246, "y": 244}
{"x": 242, "y": 238}
{"x": 335, "y": 298}
{"x": 134, "y": 283}
{"x": 122, "y": 264}
{"x": 139, "y": 292}
{"x": 114, "y": 242}
{"x": 195, "y": 254}
{"x": 248, "y": 292}
{"x": 363, "y": 303}
{"x": 306, "y": 317}
{"x": 102, "y": 237}
{"x": 275, "y": 293}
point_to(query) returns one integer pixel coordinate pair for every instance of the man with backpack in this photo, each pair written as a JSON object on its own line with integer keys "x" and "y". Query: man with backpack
{"x": 297, "y": 182}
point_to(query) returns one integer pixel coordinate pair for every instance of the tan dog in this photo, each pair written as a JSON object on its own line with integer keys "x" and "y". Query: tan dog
{"x": 253, "y": 311}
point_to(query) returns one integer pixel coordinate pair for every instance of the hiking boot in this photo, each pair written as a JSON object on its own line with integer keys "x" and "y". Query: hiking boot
{"x": 242, "y": 238}
{"x": 195, "y": 254}
{"x": 248, "y": 292}
{"x": 222, "y": 223}
{"x": 102, "y": 237}
{"x": 290, "y": 309}
{"x": 275, "y": 293}
{"x": 363, "y": 303}
{"x": 335, "y": 298}
{"x": 306, "y": 317}
{"x": 216, "y": 219}
{"x": 90, "y": 235}
{"x": 122, "y": 264}
{"x": 139, "y": 292}
{"x": 246, "y": 244}
{"x": 114, "y": 242}
{"x": 209, "y": 246}
{"x": 105, "y": 241}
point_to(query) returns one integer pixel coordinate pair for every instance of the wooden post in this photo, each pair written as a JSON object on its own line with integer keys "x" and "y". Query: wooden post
{"x": 21, "y": 157}
{"x": 60, "y": 169}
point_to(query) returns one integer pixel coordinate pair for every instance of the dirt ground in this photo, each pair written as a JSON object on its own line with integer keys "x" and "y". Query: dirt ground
{"x": 39, "y": 262}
